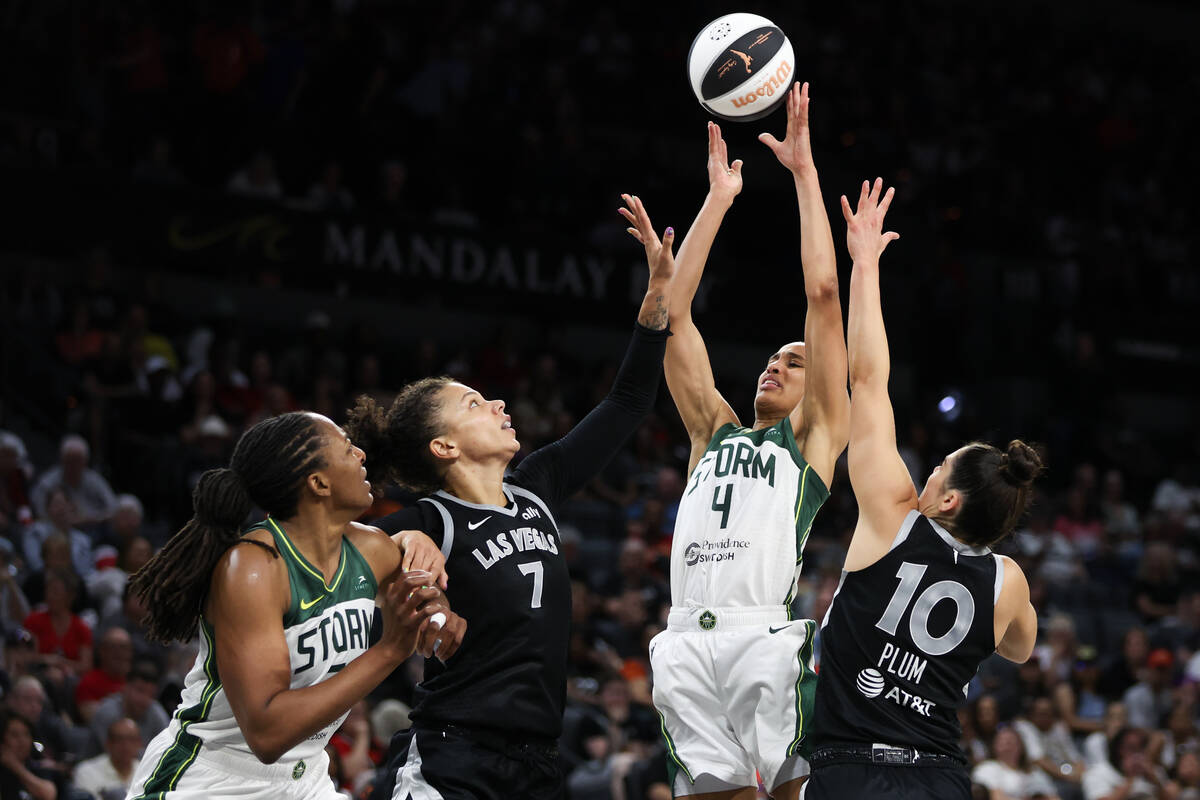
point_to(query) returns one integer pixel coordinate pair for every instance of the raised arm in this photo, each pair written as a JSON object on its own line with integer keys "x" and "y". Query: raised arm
{"x": 881, "y": 482}
{"x": 561, "y": 468}
{"x": 687, "y": 368}
{"x": 822, "y": 420}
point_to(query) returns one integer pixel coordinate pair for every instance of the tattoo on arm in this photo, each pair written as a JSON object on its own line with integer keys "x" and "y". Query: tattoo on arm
{"x": 654, "y": 317}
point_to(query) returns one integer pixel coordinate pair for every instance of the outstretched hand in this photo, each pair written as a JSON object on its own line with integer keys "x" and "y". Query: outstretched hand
{"x": 864, "y": 237}
{"x": 659, "y": 257}
{"x": 724, "y": 179}
{"x": 795, "y": 151}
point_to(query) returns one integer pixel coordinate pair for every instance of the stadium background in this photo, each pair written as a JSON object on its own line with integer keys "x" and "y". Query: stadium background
{"x": 221, "y": 210}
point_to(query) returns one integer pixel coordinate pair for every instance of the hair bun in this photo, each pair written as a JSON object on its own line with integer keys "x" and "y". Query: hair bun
{"x": 1020, "y": 464}
{"x": 221, "y": 499}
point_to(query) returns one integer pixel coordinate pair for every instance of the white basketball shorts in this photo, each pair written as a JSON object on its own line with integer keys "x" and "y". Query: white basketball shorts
{"x": 734, "y": 688}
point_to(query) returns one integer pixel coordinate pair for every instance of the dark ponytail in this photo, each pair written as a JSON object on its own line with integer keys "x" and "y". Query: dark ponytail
{"x": 996, "y": 488}
{"x": 397, "y": 439}
{"x": 268, "y": 469}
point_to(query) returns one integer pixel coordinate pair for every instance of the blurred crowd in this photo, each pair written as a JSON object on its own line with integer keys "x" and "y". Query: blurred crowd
{"x": 1051, "y": 146}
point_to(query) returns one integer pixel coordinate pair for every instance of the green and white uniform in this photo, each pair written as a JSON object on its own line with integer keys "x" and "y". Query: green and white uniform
{"x": 203, "y": 752}
{"x": 733, "y": 674}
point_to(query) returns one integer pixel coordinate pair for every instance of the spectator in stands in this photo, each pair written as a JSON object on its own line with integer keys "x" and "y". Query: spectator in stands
{"x": 359, "y": 752}
{"x": 114, "y": 659}
{"x": 1187, "y": 777}
{"x": 1049, "y": 747}
{"x": 1008, "y": 773}
{"x": 92, "y": 499}
{"x": 19, "y": 776}
{"x": 1056, "y": 654}
{"x": 15, "y": 508}
{"x": 329, "y": 194}
{"x": 1122, "y": 526}
{"x": 1148, "y": 701}
{"x": 1095, "y": 746}
{"x": 1156, "y": 589}
{"x": 136, "y": 700}
{"x": 979, "y": 732}
{"x": 130, "y": 617}
{"x": 257, "y": 179}
{"x": 80, "y": 341}
{"x": 64, "y": 641}
{"x": 28, "y": 698}
{"x": 127, "y": 520}
{"x": 1122, "y": 670}
{"x": 1181, "y": 737}
{"x": 58, "y": 520}
{"x": 113, "y": 568}
{"x": 1077, "y": 701}
{"x": 108, "y": 774}
{"x": 14, "y": 606}
{"x": 1080, "y": 522}
{"x": 1127, "y": 772}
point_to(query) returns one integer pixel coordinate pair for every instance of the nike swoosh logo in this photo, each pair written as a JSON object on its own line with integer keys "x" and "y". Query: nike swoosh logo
{"x": 305, "y": 605}
{"x": 777, "y": 630}
{"x": 473, "y": 525}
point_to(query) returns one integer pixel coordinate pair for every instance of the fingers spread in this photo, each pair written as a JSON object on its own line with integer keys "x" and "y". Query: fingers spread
{"x": 887, "y": 199}
{"x": 846, "y": 212}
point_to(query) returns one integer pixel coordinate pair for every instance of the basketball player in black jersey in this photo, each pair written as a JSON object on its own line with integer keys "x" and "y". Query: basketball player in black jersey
{"x": 486, "y": 722}
{"x": 922, "y": 600}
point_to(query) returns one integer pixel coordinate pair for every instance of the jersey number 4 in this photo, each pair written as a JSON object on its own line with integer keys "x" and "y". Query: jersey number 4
{"x": 722, "y": 505}
{"x": 918, "y": 622}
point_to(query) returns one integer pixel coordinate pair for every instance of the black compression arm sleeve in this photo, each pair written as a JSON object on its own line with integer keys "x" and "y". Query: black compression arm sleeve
{"x": 561, "y": 468}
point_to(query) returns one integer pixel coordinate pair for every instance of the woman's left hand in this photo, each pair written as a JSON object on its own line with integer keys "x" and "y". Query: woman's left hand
{"x": 418, "y": 551}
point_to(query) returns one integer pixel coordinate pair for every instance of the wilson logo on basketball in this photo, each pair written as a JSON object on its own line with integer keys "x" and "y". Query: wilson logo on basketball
{"x": 768, "y": 88}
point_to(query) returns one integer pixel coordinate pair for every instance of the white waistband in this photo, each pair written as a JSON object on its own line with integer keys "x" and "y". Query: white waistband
{"x": 247, "y": 766}
{"x": 724, "y": 618}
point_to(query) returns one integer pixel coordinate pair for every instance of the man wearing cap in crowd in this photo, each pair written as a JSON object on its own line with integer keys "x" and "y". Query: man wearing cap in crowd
{"x": 88, "y": 491}
{"x": 1149, "y": 700}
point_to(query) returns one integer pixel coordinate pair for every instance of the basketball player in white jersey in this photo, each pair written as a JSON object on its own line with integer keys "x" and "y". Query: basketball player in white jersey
{"x": 284, "y": 613}
{"x": 733, "y": 673}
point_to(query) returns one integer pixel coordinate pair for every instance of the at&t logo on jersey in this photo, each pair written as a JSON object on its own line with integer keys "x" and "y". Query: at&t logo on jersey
{"x": 870, "y": 682}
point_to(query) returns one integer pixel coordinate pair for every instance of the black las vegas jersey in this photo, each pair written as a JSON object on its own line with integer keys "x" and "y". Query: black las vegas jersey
{"x": 903, "y": 638}
{"x": 509, "y": 580}
{"x": 508, "y": 575}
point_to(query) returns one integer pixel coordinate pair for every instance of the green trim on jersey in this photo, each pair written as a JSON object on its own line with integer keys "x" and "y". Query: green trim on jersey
{"x": 182, "y": 752}
{"x": 311, "y": 596}
{"x": 806, "y": 691}
{"x": 674, "y": 764}
{"x": 811, "y": 492}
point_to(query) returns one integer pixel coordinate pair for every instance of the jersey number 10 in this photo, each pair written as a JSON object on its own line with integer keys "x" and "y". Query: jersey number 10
{"x": 918, "y": 622}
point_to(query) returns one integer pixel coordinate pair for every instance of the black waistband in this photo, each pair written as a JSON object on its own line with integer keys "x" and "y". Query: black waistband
{"x": 509, "y": 744}
{"x": 884, "y": 755}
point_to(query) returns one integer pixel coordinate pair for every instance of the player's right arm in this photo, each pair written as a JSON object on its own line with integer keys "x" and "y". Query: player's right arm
{"x": 1015, "y": 618}
{"x": 686, "y": 365}
{"x": 881, "y": 482}
{"x": 248, "y": 597}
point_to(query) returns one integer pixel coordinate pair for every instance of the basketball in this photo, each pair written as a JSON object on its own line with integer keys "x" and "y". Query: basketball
{"x": 741, "y": 66}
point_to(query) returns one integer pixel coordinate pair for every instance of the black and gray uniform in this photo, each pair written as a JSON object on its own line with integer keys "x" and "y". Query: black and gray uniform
{"x": 899, "y": 644}
{"x": 486, "y": 724}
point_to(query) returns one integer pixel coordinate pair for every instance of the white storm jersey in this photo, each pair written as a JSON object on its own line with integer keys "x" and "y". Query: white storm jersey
{"x": 743, "y": 520}
{"x": 327, "y": 626}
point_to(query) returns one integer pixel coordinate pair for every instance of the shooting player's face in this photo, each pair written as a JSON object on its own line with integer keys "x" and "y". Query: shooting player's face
{"x": 781, "y": 383}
